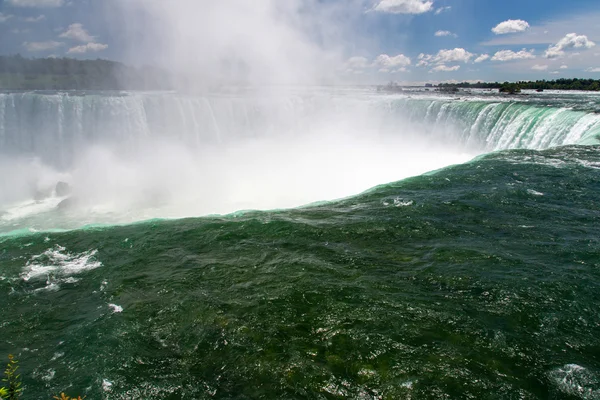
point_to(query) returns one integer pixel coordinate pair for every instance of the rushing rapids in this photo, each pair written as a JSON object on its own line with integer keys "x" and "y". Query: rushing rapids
{"x": 479, "y": 280}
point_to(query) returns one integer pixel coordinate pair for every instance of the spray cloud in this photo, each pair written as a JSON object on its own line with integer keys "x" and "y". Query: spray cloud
{"x": 213, "y": 147}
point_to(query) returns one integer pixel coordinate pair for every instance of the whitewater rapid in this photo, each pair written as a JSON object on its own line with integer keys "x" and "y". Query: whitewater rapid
{"x": 138, "y": 156}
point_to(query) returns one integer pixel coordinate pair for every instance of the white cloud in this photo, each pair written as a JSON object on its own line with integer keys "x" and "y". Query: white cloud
{"x": 457, "y": 54}
{"x": 555, "y": 72}
{"x": 445, "y": 33}
{"x": 570, "y": 41}
{"x": 77, "y": 32}
{"x": 443, "y": 68}
{"x": 509, "y": 55}
{"x": 592, "y": 69}
{"x": 482, "y": 58}
{"x": 42, "y": 46}
{"x": 510, "y": 26}
{"x": 35, "y": 19}
{"x": 539, "y": 67}
{"x": 5, "y": 17}
{"x": 551, "y": 31}
{"x": 564, "y": 67}
{"x": 386, "y": 61}
{"x": 35, "y": 3}
{"x": 442, "y": 9}
{"x": 445, "y": 56}
{"x": 357, "y": 63}
{"x": 404, "y": 6}
{"x": 90, "y": 47}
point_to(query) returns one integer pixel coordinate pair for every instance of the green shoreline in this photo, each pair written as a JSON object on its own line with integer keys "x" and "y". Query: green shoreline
{"x": 592, "y": 85}
{"x": 20, "y": 73}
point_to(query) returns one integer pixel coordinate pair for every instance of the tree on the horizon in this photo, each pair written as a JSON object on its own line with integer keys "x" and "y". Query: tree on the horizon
{"x": 20, "y": 73}
{"x": 559, "y": 84}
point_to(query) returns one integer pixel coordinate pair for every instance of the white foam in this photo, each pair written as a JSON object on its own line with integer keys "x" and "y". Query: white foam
{"x": 106, "y": 385}
{"x": 57, "y": 261}
{"x": 407, "y": 385}
{"x": 534, "y": 192}
{"x": 398, "y": 202}
{"x": 50, "y": 287}
{"x": 116, "y": 308}
{"x": 29, "y": 208}
{"x": 575, "y": 380}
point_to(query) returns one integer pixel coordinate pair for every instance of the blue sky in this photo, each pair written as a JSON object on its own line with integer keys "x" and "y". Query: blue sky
{"x": 402, "y": 40}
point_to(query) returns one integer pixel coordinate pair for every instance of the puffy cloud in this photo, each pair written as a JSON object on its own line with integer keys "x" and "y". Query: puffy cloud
{"x": 77, "y": 32}
{"x": 593, "y": 69}
{"x": 5, "y": 17}
{"x": 445, "y": 56}
{"x": 570, "y": 41}
{"x": 445, "y": 33}
{"x": 555, "y": 72}
{"x": 482, "y": 58}
{"x": 35, "y": 19}
{"x": 42, "y": 46}
{"x": 442, "y": 9}
{"x": 454, "y": 55}
{"x": 90, "y": 47}
{"x": 509, "y": 55}
{"x": 36, "y": 3}
{"x": 386, "y": 61}
{"x": 404, "y": 6}
{"x": 564, "y": 67}
{"x": 539, "y": 67}
{"x": 510, "y": 26}
{"x": 443, "y": 68}
{"x": 357, "y": 63}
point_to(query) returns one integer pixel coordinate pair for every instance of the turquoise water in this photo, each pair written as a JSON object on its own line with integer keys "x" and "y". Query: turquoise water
{"x": 479, "y": 280}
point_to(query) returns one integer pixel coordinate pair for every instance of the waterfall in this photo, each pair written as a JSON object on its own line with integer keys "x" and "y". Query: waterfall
{"x": 53, "y": 127}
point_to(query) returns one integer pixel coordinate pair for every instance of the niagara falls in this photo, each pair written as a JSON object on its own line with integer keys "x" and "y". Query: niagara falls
{"x": 309, "y": 199}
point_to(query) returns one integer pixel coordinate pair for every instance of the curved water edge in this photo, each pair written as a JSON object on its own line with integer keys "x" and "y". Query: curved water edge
{"x": 563, "y": 157}
{"x": 141, "y": 156}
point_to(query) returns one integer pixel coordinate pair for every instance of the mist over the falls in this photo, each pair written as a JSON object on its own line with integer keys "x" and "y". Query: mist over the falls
{"x": 214, "y": 44}
{"x": 174, "y": 157}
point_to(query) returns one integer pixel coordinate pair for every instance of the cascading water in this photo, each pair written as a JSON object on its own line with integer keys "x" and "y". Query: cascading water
{"x": 53, "y": 127}
{"x": 172, "y": 155}
{"x": 503, "y": 125}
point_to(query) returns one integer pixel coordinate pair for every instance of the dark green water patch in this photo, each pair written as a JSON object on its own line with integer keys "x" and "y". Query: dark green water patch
{"x": 480, "y": 281}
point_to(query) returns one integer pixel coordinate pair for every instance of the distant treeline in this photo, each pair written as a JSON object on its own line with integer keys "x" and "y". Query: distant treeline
{"x": 20, "y": 73}
{"x": 558, "y": 84}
